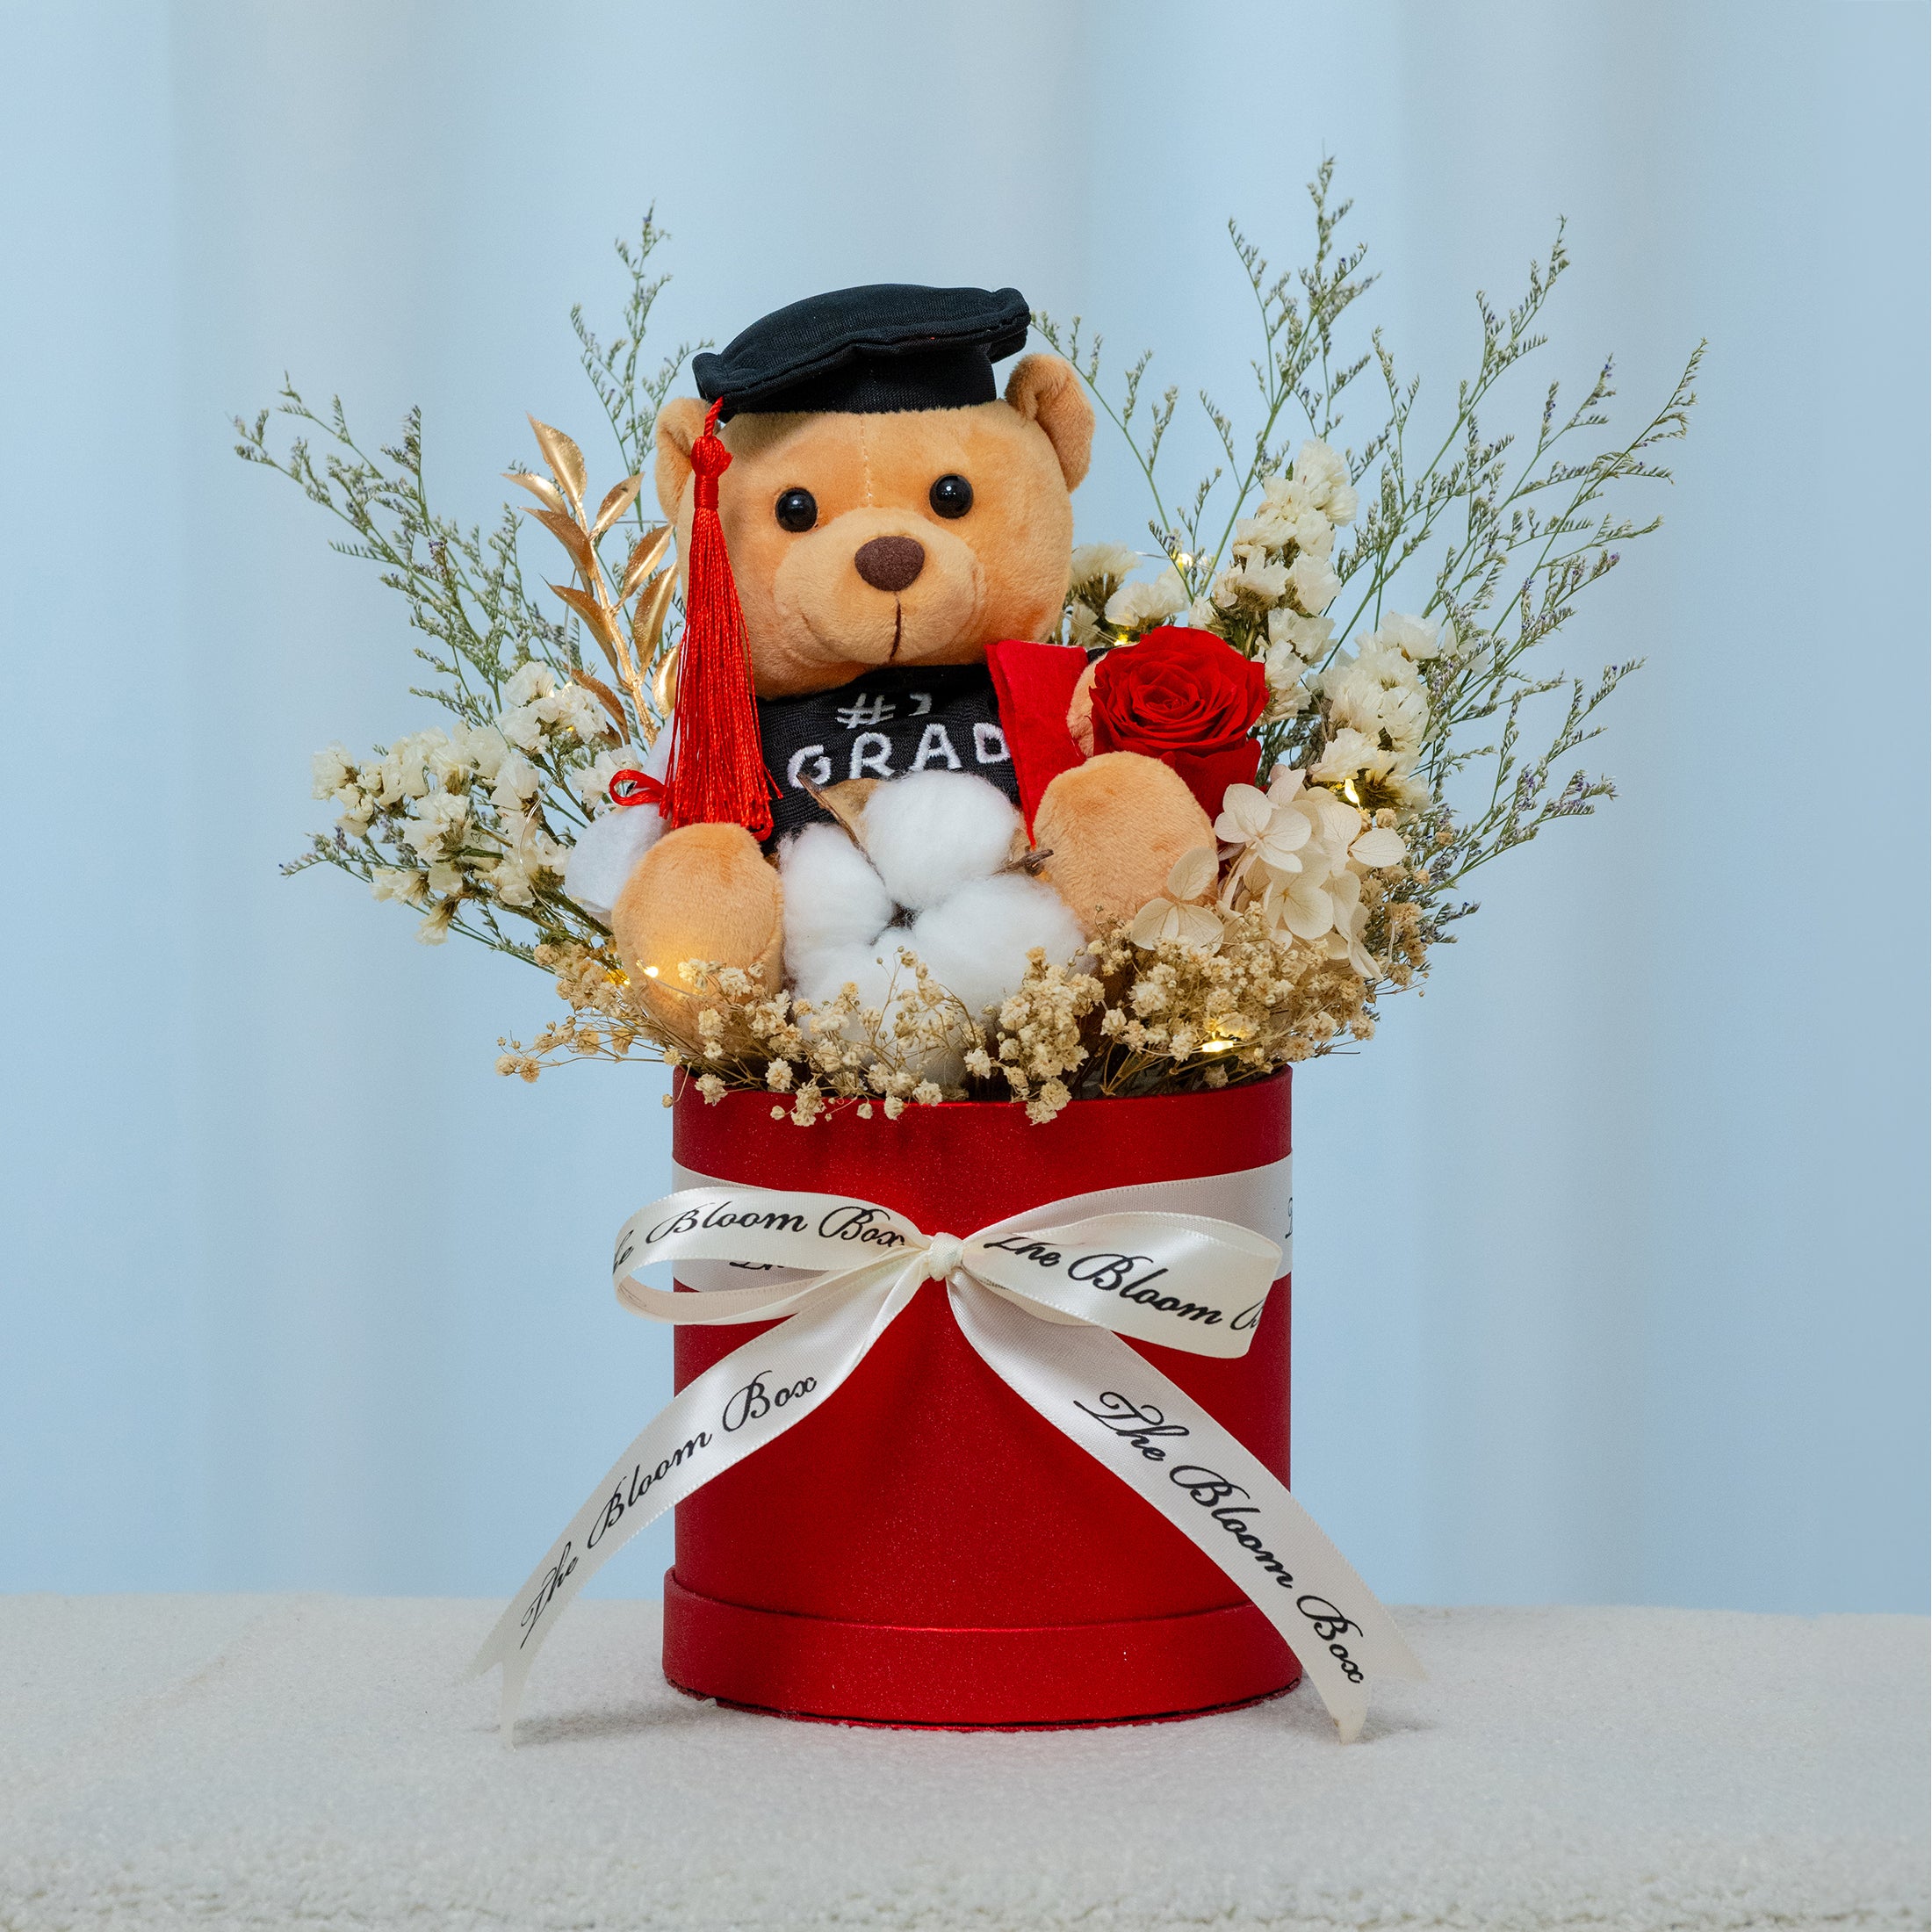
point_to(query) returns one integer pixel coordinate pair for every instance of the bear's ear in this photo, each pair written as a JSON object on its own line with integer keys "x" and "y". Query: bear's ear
{"x": 681, "y": 423}
{"x": 1045, "y": 390}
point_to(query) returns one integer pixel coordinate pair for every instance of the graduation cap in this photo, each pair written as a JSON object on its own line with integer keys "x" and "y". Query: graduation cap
{"x": 866, "y": 350}
{"x": 887, "y": 347}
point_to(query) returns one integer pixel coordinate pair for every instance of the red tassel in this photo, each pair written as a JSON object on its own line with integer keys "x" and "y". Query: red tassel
{"x": 633, "y": 787}
{"x": 716, "y": 771}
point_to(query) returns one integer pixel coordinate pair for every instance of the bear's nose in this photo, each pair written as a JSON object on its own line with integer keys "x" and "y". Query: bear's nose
{"x": 890, "y": 562}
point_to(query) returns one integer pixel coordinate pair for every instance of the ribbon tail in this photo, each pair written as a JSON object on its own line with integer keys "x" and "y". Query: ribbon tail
{"x": 1102, "y": 1394}
{"x": 731, "y": 1410}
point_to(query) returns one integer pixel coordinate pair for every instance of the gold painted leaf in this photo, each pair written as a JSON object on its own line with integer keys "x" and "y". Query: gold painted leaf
{"x": 606, "y": 697}
{"x": 617, "y": 500}
{"x": 845, "y": 802}
{"x": 664, "y": 683}
{"x": 570, "y": 534}
{"x": 596, "y": 616}
{"x": 544, "y": 493}
{"x": 648, "y": 624}
{"x": 646, "y": 557}
{"x": 566, "y": 460}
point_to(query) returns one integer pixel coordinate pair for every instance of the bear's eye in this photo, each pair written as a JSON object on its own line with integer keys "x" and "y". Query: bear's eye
{"x": 797, "y": 509}
{"x": 951, "y": 496}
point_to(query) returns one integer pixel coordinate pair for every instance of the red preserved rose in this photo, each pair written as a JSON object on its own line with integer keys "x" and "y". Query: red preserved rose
{"x": 1188, "y": 698}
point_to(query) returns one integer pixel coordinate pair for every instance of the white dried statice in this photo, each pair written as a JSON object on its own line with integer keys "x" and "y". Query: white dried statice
{"x": 465, "y": 806}
{"x": 1307, "y": 638}
{"x": 1271, "y": 527}
{"x": 436, "y": 822}
{"x": 1313, "y": 582}
{"x": 1095, "y": 564}
{"x": 1255, "y": 582}
{"x": 1417, "y": 638}
{"x": 592, "y": 781}
{"x": 1324, "y": 475}
{"x": 1297, "y": 642}
{"x": 1135, "y": 608}
{"x": 410, "y": 888}
{"x": 329, "y": 770}
{"x": 516, "y": 786}
{"x": 1377, "y": 692}
{"x": 1096, "y": 572}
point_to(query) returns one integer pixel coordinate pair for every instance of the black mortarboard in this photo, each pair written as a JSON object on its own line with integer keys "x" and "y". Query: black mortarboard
{"x": 889, "y": 346}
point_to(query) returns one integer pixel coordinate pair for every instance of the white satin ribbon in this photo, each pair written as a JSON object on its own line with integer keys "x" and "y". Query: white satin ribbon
{"x": 1036, "y": 1295}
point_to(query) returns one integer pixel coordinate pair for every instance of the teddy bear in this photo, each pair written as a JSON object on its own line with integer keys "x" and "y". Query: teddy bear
{"x": 893, "y": 521}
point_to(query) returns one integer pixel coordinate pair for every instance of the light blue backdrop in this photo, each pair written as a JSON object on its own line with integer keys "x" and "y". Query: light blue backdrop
{"x": 1613, "y": 1281}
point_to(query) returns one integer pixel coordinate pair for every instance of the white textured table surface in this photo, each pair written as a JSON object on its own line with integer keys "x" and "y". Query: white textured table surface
{"x": 308, "y": 1762}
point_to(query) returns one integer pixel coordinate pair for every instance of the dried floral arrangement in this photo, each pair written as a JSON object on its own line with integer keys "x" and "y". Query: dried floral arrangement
{"x": 1393, "y": 742}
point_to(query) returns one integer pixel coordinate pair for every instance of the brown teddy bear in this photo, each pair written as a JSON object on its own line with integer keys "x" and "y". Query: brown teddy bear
{"x": 888, "y": 516}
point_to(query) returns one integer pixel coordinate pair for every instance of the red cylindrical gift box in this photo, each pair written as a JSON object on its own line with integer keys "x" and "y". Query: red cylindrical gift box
{"x": 924, "y": 1548}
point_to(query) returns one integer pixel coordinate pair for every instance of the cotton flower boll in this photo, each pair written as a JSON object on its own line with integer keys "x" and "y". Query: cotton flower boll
{"x": 834, "y": 899}
{"x": 930, "y": 833}
{"x": 605, "y": 854}
{"x": 612, "y": 843}
{"x": 977, "y": 942}
{"x": 825, "y": 975}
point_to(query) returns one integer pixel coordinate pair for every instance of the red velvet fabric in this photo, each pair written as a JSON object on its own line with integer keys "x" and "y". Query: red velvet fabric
{"x": 924, "y": 1548}
{"x": 1034, "y": 683}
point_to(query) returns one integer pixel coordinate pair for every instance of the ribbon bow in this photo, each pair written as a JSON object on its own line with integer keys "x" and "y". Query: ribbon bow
{"x": 1044, "y": 1297}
